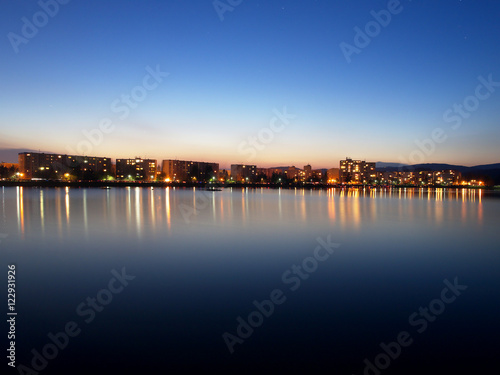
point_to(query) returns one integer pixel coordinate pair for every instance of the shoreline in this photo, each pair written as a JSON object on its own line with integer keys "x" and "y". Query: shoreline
{"x": 215, "y": 186}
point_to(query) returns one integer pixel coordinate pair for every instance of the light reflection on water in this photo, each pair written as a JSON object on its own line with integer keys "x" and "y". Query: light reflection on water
{"x": 201, "y": 257}
{"x": 146, "y": 210}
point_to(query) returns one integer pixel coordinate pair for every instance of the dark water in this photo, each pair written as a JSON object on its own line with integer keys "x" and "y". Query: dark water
{"x": 192, "y": 265}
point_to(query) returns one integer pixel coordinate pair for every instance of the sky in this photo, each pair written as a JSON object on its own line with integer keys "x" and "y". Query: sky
{"x": 271, "y": 83}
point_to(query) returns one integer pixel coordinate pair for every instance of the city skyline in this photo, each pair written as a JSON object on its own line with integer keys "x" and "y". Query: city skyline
{"x": 337, "y": 163}
{"x": 72, "y": 168}
{"x": 313, "y": 83}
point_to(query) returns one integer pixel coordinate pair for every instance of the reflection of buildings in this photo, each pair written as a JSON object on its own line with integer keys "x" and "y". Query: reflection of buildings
{"x": 241, "y": 172}
{"x": 34, "y": 164}
{"x": 357, "y": 171}
{"x": 184, "y": 170}
{"x": 137, "y": 169}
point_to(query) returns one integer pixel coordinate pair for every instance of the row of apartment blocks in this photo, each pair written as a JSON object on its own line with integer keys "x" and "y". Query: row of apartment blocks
{"x": 33, "y": 165}
{"x": 41, "y": 165}
{"x": 443, "y": 177}
{"x": 356, "y": 172}
{"x": 361, "y": 172}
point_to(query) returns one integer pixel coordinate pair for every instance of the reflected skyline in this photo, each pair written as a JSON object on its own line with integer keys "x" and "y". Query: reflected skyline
{"x": 140, "y": 209}
{"x": 201, "y": 257}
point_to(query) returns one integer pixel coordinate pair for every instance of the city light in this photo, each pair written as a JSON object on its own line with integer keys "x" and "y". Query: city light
{"x": 350, "y": 172}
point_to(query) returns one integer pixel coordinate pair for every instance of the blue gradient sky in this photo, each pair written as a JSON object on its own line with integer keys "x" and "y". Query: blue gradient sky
{"x": 226, "y": 78}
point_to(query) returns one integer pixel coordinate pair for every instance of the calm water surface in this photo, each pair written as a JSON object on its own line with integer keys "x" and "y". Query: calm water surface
{"x": 200, "y": 259}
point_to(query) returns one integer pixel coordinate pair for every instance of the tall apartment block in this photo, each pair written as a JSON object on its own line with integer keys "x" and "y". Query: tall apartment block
{"x": 186, "y": 170}
{"x": 357, "y": 171}
{"x": 241, "y": 172}
{"x": 35, "y": 164}
{"x": 136, "y": 169}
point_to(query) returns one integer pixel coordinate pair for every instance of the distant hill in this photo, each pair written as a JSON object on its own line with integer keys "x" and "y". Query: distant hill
{"x": 437, "y": 167}
{"x": 381, "y": 164}
{"x": 487, "y": 166}
{"x": 382, "y": 167}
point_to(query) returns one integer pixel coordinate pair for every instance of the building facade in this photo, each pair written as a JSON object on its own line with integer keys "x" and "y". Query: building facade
{"x": 243, "y": 173}
{"x": 294, "y": 173}
{"x": 57, "y": 166}
{"x": 136, "y": 169}
{"x": 357, "y": 172}
{"x": 446, "y": 177}
{"x": 307, "y": 172}
{"x": 189, "y": 171}
{"x": 333, "y": 175}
